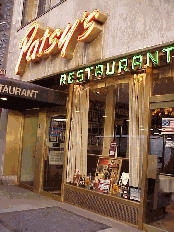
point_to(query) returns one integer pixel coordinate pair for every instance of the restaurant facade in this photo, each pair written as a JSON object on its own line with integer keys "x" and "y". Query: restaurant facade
{"x": 90, "y": 92}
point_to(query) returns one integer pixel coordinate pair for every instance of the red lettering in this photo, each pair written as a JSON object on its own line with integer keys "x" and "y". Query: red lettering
{"x": 34, "y": 48}
{"x": 24, "y": 46}
{"x": 53, "y": 42}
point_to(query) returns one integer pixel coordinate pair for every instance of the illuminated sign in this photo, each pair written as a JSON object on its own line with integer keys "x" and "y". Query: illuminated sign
{"x": 2, "y": 72}
{"x": 115, "y": 67}
{"x": 38, "y": 43}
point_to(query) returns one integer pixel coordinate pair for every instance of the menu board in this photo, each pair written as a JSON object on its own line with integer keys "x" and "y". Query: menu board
{"x": 56, "y": 157}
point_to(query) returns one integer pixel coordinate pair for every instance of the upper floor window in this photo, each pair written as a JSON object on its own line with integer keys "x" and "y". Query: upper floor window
{"x": 35, "y": 8}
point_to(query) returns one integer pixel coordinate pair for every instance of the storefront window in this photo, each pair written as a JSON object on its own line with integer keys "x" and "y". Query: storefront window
{"x": 162, "y": 137}
{"x": 107, "y": 166}
{"x": 160, "y": 188}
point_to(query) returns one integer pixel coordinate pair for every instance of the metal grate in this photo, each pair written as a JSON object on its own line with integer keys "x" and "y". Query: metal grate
{"x": 102, "y": 206}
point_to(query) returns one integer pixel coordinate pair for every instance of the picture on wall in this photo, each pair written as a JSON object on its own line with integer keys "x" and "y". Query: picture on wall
{"x": 52, "y": 138}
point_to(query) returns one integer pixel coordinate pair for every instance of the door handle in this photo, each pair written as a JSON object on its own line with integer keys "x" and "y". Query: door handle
{"x": 34, "y": 152}
{"x": 46, "y": 152}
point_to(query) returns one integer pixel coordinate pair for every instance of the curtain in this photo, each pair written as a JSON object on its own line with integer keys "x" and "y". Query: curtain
{"x": 77, "y": 151}
{"x": 137, "y": 127}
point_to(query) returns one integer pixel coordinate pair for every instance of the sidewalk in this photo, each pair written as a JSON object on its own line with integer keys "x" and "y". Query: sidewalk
{"x": 23, "y": 210}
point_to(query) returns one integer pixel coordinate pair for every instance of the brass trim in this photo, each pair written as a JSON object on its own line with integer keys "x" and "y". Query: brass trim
{"x": 25, "y": 186}
{"x": 150, "y": 228}
{"x": 162, "y": 105}
{"x": 162, "y": 98}
{"x": 20, "y": 150}
{"x": 34, "y": 152}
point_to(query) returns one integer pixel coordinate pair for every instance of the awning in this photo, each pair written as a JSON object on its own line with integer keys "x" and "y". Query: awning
{"x": 19, "y": 95}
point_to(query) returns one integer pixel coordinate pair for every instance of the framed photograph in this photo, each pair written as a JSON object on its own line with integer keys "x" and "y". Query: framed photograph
{"x": 52, "y": 138}
{"x": 109, "y": 165}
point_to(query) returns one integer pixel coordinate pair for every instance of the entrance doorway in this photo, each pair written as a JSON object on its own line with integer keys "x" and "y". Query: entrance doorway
{"x": 28, "y": 149}
{"x": 55, "y": 148}
{"x": 42, "y": 153}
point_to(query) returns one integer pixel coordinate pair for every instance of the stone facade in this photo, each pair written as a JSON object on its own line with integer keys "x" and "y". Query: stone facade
{"x": 6, "y": 14}
{"x": 130, "y": 27}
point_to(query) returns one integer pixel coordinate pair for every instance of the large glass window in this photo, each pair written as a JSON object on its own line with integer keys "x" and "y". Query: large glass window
{"x": 161, "y": 187}
{"x": 107, "y": 157}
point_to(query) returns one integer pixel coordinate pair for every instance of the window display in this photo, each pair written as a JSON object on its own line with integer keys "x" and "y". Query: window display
{"x": 108, "y": 143}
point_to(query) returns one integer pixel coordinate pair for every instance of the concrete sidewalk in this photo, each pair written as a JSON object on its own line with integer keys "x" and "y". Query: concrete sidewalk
{"x": 15, "y": 202}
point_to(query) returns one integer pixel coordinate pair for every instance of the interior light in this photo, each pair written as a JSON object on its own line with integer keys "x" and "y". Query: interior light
{"x": 60, "y": 119}
{"x": 104, "y": 116}
{"x": 169, "y": 138}
{"x": 151, "y": 129}
{"x": 156, "y": 133}
{"x": 2, "y": 23}
{"x": 4, "y": 98}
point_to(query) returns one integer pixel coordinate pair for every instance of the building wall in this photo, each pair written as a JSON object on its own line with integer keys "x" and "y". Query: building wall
{"x": 5, "y": 16}
{"x": 131, "y": 26}
{"x": 12, "y": 147}
{"x": 3, "y": 127}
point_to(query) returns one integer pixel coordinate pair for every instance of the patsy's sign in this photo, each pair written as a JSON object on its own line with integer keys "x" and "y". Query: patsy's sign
{"x": 38, "y": 43}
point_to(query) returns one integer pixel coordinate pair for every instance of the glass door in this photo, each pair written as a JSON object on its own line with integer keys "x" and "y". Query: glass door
{"x": 53, "y": 161}
{"x": 28, "y": 149}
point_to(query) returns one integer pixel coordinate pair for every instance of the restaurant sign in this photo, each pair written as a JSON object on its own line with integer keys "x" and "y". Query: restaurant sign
{"x": 15, "y": 88}
{"x": 2, "y": 72}
{"x": 116, "y": 66}
{"x": 38, "y": 43}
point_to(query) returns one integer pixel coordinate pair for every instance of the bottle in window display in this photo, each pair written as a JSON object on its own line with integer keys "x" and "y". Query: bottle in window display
{"x": 96, "y": 181}
{"x": 75, "y": 178}
{"x": 120, "y": 193}
{"x": 87, "y": 182}
{"x": 115, "y": 189}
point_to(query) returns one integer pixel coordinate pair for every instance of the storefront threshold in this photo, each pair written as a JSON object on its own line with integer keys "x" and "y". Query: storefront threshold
{"x": 149, "y": 228}
{"x": 25, "y": 186}
{"x": 106, "y": 205}
{"x": 51, "y": 195}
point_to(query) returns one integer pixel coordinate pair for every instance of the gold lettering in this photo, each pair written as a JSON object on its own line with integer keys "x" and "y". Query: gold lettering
{"x": 24, "y": 92}
{"x": 1, "y": 87}
{"x": 35, "y": 92}
{"x": 29, "y": 93}
{"x": 5, "y": 89}
{"x": 18, "y": 91}
{"x": 14, "y": 89}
